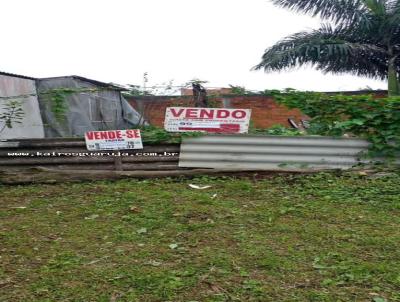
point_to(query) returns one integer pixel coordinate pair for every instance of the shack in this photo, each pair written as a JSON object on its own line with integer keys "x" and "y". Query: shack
{"x": 65, "y": 106}
{"x": 84, "y": 105}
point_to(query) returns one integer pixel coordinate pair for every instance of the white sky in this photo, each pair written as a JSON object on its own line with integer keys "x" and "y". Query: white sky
{"x": 117, "y": 41}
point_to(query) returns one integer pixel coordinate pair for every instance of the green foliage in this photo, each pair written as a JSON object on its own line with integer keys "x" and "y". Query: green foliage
{"x": 377, "y": 120}
{"x": 153, "y": 135}
{"x": 276, "y": 130}
{"x": 134, "y": 90}
{"x": 320, "y": 237}
{"x": 194, "y": 81}
{"x": 360, "y": 37}
{"x": 11, "y": 113}
{"x": 57, "y": 97}
{"x": 165, "y": 88}
{"x": 240, "y": 90}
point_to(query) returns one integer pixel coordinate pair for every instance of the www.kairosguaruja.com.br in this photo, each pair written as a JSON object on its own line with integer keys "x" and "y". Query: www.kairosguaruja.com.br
{"x": 82, "y": 154}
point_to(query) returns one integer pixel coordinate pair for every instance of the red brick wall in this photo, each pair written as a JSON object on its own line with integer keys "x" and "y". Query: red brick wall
{"x": 265, "y": 111}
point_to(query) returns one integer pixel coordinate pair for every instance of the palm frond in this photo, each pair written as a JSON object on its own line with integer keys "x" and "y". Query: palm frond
{"x": 394, "y": 16}
{"x": 360, "y": 63}
{"x": 377, "y": 7}
{"x": 330, "y": 50}
{"x": 338, "y": 11}
{"x": 392, "y": 5}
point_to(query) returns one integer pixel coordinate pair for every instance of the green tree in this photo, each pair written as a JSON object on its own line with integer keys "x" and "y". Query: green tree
{"x": 361, "y": 37}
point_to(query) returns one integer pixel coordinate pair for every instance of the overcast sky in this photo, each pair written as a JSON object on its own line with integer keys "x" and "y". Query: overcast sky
{"x": 117, "y": 41}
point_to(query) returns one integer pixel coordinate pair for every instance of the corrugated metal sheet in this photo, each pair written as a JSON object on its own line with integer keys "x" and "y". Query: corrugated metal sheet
{"x": 94, "y": 82}
{"x": 63, "y": 154}
{"x": 104, "y": 109}
{"x": 31, "y": 124}
{"x": 16, "y": 75}
{"x": 271, "y": 152}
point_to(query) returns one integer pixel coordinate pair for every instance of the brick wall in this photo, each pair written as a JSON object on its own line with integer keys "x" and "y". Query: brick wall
{"x": 265, "y": 111}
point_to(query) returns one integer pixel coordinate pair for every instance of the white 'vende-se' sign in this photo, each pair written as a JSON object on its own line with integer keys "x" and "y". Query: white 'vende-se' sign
{"x": 113, "y": 140}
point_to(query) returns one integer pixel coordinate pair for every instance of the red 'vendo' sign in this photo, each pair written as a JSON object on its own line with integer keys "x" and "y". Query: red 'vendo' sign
{"x": 214, "y": 120}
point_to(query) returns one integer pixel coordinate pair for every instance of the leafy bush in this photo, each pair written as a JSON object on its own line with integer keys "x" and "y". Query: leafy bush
{"x": 10, "y": 113}
{"x": 377, "y": 120}
{"x": 276, "y": 130}
{"x": 152, "y": 134}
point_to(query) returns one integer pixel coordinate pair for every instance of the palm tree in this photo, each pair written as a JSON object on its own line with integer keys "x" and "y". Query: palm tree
{"x": 361, "y": 37}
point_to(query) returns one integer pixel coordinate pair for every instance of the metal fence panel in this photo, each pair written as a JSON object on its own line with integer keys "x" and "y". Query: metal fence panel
{"x": 271, "y": 152}
{"x": 71, "y": 154}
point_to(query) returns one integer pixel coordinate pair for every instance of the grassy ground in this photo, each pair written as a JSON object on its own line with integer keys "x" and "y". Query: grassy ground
{"x": 303, "y": 238}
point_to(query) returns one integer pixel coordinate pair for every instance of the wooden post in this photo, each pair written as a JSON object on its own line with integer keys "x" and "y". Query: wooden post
{"x": 118, "y": 163}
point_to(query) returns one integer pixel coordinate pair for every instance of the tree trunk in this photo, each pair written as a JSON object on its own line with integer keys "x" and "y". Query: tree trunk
{"x": 393, "y": 79}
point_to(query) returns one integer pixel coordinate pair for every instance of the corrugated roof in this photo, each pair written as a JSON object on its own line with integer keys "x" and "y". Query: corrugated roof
{"x": 16, "y": 75}
{"x": 94, "y": 82}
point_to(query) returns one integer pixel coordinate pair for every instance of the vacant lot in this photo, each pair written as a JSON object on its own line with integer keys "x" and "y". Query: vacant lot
{"x": 301, "y": 238}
